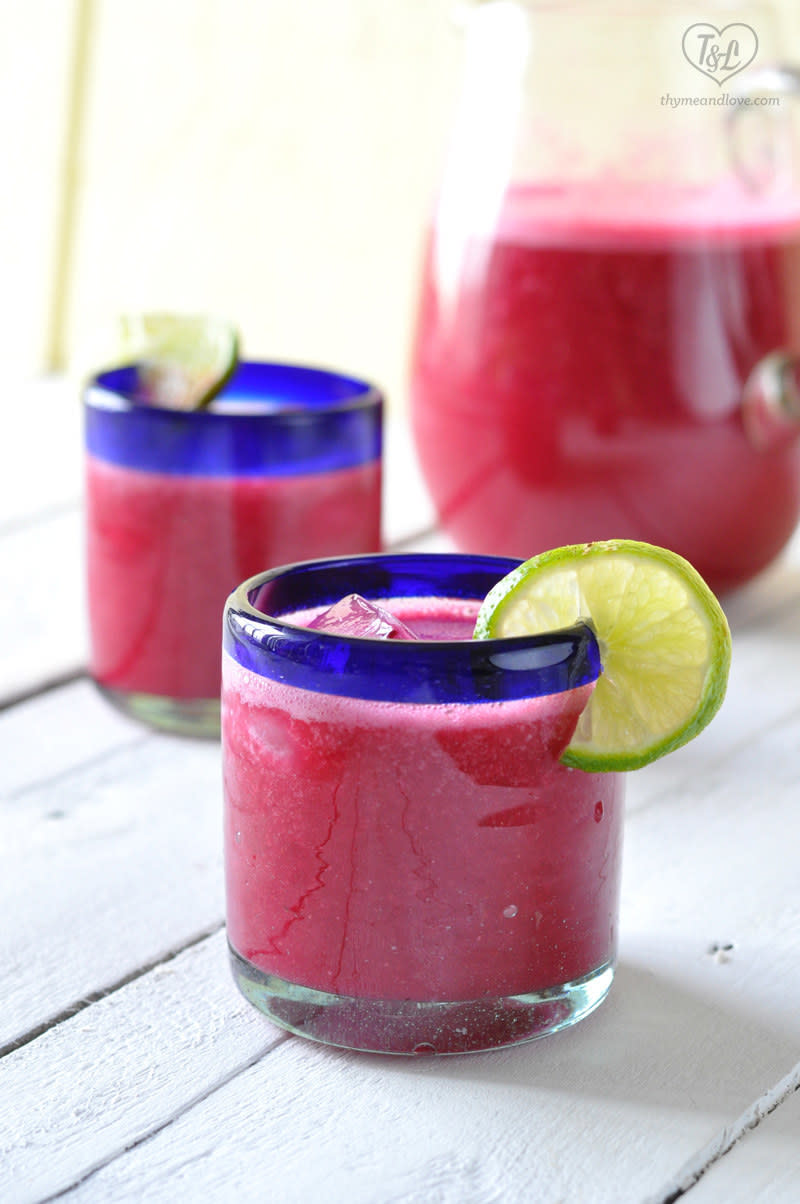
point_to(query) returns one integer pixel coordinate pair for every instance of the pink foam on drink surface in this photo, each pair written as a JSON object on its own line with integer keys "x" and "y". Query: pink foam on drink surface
{"x": 357, "y": 616}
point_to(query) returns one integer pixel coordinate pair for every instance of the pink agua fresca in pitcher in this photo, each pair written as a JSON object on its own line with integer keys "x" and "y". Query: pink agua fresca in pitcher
{"x": 609, "y": 315}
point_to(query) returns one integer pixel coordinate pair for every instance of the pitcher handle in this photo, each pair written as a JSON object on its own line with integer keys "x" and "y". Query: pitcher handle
{"x": 771, "y": 396}
{"x": 776, "y": 81}
{"x": 771, "y": 400}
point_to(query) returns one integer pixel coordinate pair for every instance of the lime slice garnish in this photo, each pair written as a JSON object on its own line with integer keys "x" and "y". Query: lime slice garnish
{"x": 664, "y": 643}
{"x": 184, "y": 360}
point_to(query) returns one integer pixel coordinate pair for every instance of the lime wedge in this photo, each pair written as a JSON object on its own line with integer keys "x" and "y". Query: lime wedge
{"x": 184, "y": 360}
{"x": 664, "y": 643}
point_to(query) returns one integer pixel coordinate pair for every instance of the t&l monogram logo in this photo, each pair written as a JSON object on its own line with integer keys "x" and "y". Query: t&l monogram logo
{"x": 720, "y": 53}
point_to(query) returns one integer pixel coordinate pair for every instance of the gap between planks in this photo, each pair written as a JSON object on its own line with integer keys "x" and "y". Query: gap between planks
{"x": 700, "y": 1163}
{"x": 67, "y": 678}
{"x": 80, "y": 1005}
{"x": 146, "y": 1136}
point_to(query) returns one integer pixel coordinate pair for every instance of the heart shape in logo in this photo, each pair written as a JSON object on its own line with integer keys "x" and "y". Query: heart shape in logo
{"x": 720, "y": 53}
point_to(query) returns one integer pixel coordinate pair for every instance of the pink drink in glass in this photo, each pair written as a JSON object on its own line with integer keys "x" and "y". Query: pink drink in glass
{"x": 406, "y": 857}
{"x": 579, "y": 375}
{"x": 182, "y": 504}
{"x": 165, "y": 550}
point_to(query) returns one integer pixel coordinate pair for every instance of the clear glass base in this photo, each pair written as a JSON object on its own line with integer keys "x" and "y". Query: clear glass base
{"x": 182, "y": 716}
{"x": 405, "y": 1027}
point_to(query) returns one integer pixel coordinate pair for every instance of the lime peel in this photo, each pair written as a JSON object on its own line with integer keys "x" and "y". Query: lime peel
{"x": 664, "y": 643}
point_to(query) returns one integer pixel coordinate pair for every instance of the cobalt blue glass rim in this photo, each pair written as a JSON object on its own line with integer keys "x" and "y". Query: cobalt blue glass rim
{"x": 260, "y": 639}
{"x": 272, "y": 418}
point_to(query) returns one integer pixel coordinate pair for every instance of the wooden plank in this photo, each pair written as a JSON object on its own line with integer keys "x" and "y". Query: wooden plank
{"x": 107, "y": 863}
{"x": 772, "y": 593}
{"x": 762, "y": 694}
{"x": 758, "y": 1161}
{"x": 580, "y": 1117}
{"x": 408, "y": 511}
{"x": 122, "y": 1069}
{"x": 41, "y": 455}
{"x": 41, "y": 539}
{"x": 42, "y": 603}
{"x": 48, "y": 737}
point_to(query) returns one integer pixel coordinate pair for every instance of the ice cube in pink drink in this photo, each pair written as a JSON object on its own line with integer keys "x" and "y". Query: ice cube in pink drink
{"x": 354, "y": 615}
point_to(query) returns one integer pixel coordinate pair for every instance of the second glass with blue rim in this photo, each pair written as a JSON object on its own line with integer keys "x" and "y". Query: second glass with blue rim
{"x": 410, "y": 869}
{"x": 181, "y": 505}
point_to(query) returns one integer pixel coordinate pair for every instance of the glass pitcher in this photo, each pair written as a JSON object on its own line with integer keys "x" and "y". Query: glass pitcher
{"x": 609, "y": 316}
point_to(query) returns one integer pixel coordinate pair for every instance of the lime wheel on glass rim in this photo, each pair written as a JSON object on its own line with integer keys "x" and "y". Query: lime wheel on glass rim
{"x": 664, "y": 641}
{"x": 183, "y": 360}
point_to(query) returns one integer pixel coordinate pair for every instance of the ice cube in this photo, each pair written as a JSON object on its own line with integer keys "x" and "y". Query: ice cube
{"x": 358, "y": 616}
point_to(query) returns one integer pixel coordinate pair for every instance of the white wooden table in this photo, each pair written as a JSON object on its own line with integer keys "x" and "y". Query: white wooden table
{"x": 131, "y": 1069}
